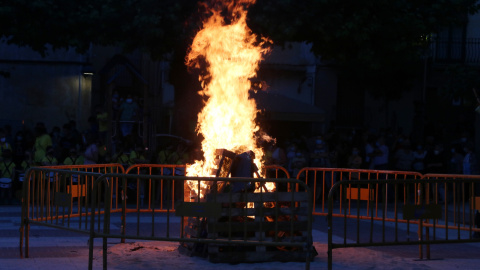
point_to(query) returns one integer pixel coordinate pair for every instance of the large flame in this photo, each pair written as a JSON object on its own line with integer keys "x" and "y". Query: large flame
{"x": 232, "y": 54}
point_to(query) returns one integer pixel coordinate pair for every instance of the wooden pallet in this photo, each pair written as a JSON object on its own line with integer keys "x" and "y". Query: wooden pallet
{"x": 194, "y": 228}
{"x": 276, "y": 216}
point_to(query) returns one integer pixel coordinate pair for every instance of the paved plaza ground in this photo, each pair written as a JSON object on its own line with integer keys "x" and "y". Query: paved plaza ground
{"x": 58, "y": 249}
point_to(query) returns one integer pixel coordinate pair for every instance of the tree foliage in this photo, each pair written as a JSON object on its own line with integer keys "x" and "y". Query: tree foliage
{"x": 377, "y": 43}
{"x": 151, "y": 25}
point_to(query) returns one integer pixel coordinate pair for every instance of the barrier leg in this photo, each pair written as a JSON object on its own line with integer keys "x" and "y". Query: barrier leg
{"x": 105, "y": 253}
{"x": 27, "y": 236}
{"x": 420, "y": 238}
{"x": 427, "y": 237}
{"x": 90, "y": 253}
{"x": 21, "y": 241}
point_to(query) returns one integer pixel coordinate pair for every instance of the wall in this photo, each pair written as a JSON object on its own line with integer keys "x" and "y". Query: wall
{"x": 48, "y": 89}
{"x": 290, "y": 71}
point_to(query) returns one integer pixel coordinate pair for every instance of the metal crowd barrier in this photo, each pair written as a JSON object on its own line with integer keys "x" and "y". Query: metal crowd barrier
{"x": 320, "y": 180}
{"x": 419, "y": 210}
{"x": 171, "y": 187}
{"x": 61, "y": 196}
{"x": 56, "y": 198}
{"x": 261, "y": 225}
{"x": 161, "y": 195}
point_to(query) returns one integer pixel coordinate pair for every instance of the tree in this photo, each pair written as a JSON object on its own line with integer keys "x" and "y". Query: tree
{"x": 377, "y": 43}
{"x": 371, "y": 41}
{"x": 150, "y": 25}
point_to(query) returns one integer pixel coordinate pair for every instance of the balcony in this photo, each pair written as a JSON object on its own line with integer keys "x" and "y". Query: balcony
{"x": 456, "y": 51}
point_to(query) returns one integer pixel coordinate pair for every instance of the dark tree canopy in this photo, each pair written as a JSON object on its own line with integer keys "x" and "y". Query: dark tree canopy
{"x": 151, "y": 25}
{"x": 376, "y": 43}
{"x": 370, "y": 41}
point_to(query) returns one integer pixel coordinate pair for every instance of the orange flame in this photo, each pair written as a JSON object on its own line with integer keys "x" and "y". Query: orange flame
{"x": 232, "y": 54}
{"x": 228, "y": 118}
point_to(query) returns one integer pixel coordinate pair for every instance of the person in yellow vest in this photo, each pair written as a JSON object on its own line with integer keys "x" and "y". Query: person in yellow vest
{"x": 179, "y": 157}
{"x": 49, "y": 159}
{"x": 73, "y": 158}
{"x": 27, "y": 161}
{"x": 164, "y": 154}
{"x": 7, "y": 176}
{"x": 42, "y": 142}
{"x": 121, "y": 156}
{"x": 137, "y": 156}
{"x": 171, "y": 156}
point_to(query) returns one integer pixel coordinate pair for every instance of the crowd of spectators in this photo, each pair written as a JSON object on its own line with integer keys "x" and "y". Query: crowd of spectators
{"x": 383, "y": 150}
{"x": 66, "y": 145}
{"x": 69, "y": 146}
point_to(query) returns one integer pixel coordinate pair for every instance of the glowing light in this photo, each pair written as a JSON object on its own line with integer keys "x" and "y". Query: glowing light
{"x": 232, "y": 54}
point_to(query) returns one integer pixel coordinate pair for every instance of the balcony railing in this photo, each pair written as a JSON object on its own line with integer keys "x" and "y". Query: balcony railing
{"x": 456, "y": 51}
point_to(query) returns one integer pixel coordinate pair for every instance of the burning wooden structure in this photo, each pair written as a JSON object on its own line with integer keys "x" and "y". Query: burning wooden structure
{"x": 246, "y": 209}
{"x": 245, "y": 212}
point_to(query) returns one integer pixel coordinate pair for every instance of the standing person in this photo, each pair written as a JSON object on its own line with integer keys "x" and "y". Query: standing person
{"x": 19, "y": 147}
{"x": 278, "y": 156}
{"x": 91, "y": 152}
{"x": 456, "y": 161}
{"x": 4, "y": 145}
{"x": 291, "y": 153}
{"x": 8, "y": 134}
{"x": 67, "y": 141}
{"x": 102, "y": 118}
{"x": 56, "y": 135}
{"x": 137, "y": 155}
{"x": 436, "y": 161}
{"x": 298, "y": 162}
{"x": 76, "y": 135}
{"x": 73, "y": 158}
{"x": 470, "y": 163}
{"x": 369, "y": 151}
{"x": 25, "y": 164}
{"x": 419, "y": 154}
{"x": 355, "y": 162}
{"x": 470, "y": 167}
{"x": 320, "y": 158}
{"x": 380, "y": 155}
{"x": 42, "y": 142}
{"x": 49, "y": 158}
{"x": 404, "y": 156}
{"x": 116, "y": 101}
{"x": 128, "y": 111}
{"x": 121, "y": 156}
